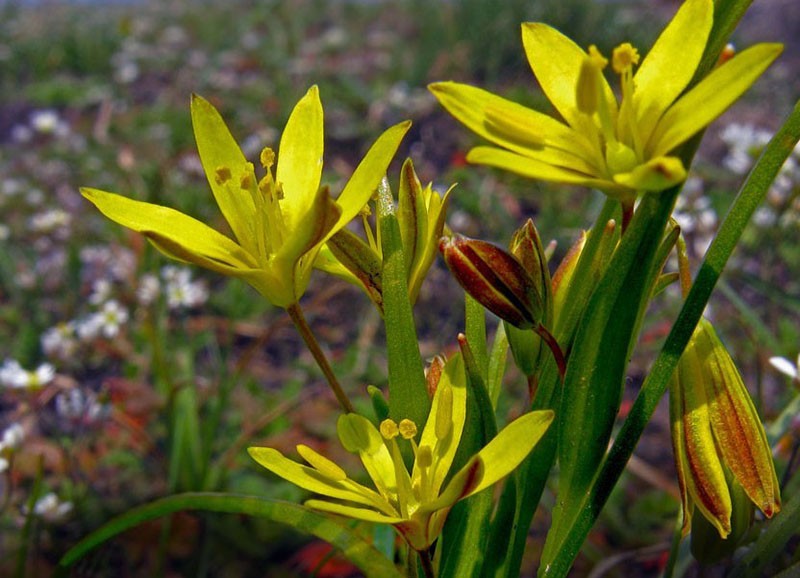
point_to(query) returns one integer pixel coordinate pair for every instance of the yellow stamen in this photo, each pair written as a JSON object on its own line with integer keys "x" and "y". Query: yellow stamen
{"x": 267, "y": 158}
{"x": 389, "y": 429}
{"x": 407, "y": 429}
{"x": 624, "y": 58}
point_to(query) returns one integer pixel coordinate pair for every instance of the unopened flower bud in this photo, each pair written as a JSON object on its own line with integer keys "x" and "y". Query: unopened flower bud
{"x": 717, "y": 436}
{"x": 494, "y": 278}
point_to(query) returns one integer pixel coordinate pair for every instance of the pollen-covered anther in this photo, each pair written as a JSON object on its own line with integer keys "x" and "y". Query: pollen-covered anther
{"x": 222, "y": 175}
{"x": 407, "y": 429}
{"x": 246, "y": 182}
{"x": 389, "y": 429}
{"x": 267, "y": 158}
{"x": 425, "y": 456}
{"x": 587, "y": 91}
{"x": 624, "y": 57}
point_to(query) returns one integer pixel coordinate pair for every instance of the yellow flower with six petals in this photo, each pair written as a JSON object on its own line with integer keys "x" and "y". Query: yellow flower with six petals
{"x": 280, "y": 222}
{"x": 622, "y": 148}
{"x": 415, "y": 503}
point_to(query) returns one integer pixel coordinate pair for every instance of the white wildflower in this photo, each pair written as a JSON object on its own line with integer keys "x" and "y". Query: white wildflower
{"x": 112, "y": 316}
{"x": 60, "y": 341}
{"x": 50, "y": 508}
{"x": 13, "y": 375}
{"x": 101, "y": 292}
{"x": 148, "y": 289}
{"x": 786, "y": 367}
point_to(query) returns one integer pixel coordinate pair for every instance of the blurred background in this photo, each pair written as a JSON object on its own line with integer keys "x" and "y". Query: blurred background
{"x": 112, "y": 357}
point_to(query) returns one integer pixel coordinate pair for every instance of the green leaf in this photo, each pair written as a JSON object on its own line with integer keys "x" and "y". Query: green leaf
{"x": 359, "y": 552}
{"x": 408, "y": 390}
{"x": 750, "y": 196}
{"x": 518, "y": 501}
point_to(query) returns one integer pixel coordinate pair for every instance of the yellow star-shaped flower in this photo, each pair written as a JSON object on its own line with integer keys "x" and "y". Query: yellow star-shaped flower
{"x": 620, "y": 147}
{"x": 279, "y": 222}
{"x": 415, "y": 503}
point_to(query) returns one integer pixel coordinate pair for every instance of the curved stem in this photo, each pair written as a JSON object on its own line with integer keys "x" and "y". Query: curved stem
{"x": 299, "y": 320}
{"x": 555, "y": 348}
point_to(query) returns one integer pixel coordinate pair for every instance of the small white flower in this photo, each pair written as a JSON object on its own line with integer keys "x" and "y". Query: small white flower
{"x": 148, "y": 289}
{"x": 89, "y": 328}
{"x": 79, "y": 408}
{"x": 13, "y": 375}
{"x": 45, "y": 121}
{"x": 12, "y": 438}
{"x": 49, "y": 221}
{"x": 786, "y": 367}
{"x": 101, "y": 292}
{"x": 60, "y": 341}
{"x": 112, "y": 316}
{"x": 50, "y": 508}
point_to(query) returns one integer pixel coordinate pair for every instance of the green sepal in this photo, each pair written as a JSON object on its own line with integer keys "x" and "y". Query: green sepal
{"x": 361, "y": 260}
{"x": 379, "y": 404}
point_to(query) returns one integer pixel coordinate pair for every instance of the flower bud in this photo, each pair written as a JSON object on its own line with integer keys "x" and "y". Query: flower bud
{"x": 526, "y": 246}
{"x": 717, "y": 434}
{"x": 495, "y": 278}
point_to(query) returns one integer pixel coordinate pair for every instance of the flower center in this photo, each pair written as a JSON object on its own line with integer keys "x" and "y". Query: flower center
{"x": 619, "y": 138}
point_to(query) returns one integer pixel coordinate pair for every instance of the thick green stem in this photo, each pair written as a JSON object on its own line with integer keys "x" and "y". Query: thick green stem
{"x": 299, "y": 320}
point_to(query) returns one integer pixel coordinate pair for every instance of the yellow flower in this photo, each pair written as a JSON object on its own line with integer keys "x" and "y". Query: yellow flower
{"x": 716, "y": 433}
{"x": 621, "y": 148}
{"x": 415, "y": 503}
{"x": 279, "y": 223}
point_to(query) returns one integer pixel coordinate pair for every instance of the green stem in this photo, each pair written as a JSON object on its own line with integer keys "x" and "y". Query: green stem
{"x": 750, "y": 196}
{"x": 427, "y": 564}
{"x": 299, "y": 320}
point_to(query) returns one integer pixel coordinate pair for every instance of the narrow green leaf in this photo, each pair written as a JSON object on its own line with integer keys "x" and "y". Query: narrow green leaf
{"x": 599, "y": 358}
{"x": 750, "y": 196}
{"x": 355, "y": 549}
{"x": 408, "y": 391}
{"x": 497, "y": 364}
{"x": 475, "y": 323}
{"x": 519, "y": 500}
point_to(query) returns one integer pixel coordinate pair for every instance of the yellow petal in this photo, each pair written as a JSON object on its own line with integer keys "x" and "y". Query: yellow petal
{"x": 496, "y": 460}
{"x": 556, "y": 61}
{"x": 655, "y": 175}
{"x": 453, "y": 378}
{"x": 352, "y": 512}
{"x": 218, "y": 150}
{"x": 516, "y": 127}
{"x": 200, "y": 243}
{"x": 311, "y": 480}
{"x": 536, "y": 169}
{"x": 705, "y": 477}
{"x": 711, "y": 97}
{"x": 737, "y": 427}
{"x": 359, "y": 435}
{"x": 300, "y": 159}
{"x": 368, "y": 175}
{"x": 671, "y": 63}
